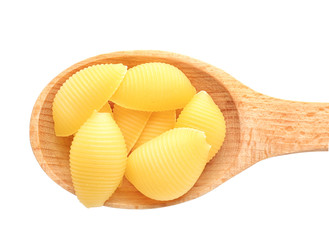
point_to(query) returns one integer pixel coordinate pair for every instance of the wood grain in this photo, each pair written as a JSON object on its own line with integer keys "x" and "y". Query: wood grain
{"x": 258, "y": 126}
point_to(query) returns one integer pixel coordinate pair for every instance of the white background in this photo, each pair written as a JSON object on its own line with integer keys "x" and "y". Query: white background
{"x": 280, "y": 48}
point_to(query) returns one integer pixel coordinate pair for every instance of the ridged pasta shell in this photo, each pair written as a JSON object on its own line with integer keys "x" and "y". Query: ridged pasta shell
{"x": 84, "y": 92}
{"x": 168, "y": 166}
{"x": 203, "y": 114}
{"x": 98, "y": 158}
{"x": 158, "y": 123}
{"x": 131, "y": 123}
{"x": 154, "y": 87}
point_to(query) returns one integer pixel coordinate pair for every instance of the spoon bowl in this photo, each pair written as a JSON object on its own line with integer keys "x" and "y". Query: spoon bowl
{"x": 258, "y": 127}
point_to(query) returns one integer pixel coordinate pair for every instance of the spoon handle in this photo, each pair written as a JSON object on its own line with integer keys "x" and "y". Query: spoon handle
{"x": 278, "y": 127}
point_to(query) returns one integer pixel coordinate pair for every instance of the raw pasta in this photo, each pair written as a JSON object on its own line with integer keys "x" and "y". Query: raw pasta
{"x": 167, "y": 156}
{"x": 84, "y": 92}
{"x": 98, "y": 158}
{"x": 158, "y": 123}
{"x": 203, "y": 114}
{"x": 131, "y": 123}
{"x": 154, "y": 87}
{"x": 168, "y": 166}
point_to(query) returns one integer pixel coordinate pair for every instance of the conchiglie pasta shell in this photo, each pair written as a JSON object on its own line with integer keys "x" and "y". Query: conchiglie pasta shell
{"x": 98, "y": 158}
{"x": 158, "y": 123}
{"x": 84, "y": 92}
{"x": 131, "y": 123}
{"x": 168, "y": 166}
{"x": 154, "y": 87}
{"x": 203, "y": 114}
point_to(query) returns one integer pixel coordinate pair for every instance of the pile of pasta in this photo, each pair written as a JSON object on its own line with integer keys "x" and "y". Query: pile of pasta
{"x": 141, "y": 138}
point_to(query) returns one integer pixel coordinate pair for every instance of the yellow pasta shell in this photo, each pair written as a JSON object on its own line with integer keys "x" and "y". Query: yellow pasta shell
{"x": 203, "y": 114}
{"x": 84, "y": 92}
{"x": 98, "y": 158}
{"x": 168, "y": 166}
{"x": 131, "y": 123}
{"x": 158, "y": 123}
{"x": 154, "y": 87}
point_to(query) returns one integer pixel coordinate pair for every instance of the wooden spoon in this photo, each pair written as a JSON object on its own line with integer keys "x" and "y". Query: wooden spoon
{"x": 258, "y": 126}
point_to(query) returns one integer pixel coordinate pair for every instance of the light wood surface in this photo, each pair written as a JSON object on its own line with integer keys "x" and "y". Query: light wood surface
{"x": 258, "y": 127}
